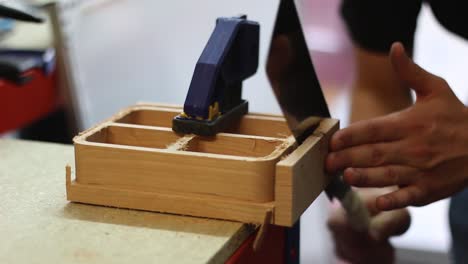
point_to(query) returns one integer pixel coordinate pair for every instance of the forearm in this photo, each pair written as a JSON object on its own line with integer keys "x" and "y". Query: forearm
{"x": 376, "y": 90}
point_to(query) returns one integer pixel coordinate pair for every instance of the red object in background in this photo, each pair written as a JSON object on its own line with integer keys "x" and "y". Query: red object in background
{"x": 330, "y": 46}
{"x": 22, "y": 104}
{"x": 271, "y": 251}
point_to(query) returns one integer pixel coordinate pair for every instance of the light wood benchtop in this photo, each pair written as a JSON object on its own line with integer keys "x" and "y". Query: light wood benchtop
{"x": 38, "y": 224}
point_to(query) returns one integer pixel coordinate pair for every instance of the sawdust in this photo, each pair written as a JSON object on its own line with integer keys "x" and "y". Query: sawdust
{"x": 280, "y": 149}
{"x": 182, "y": 143}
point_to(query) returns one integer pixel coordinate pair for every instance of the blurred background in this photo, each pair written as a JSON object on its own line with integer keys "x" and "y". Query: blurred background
{"x": 99, "y": 56}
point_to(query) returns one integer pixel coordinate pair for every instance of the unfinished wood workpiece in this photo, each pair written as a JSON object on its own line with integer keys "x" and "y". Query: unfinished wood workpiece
{"x": 301, "y": 177}
{"x": 135, "y": 160}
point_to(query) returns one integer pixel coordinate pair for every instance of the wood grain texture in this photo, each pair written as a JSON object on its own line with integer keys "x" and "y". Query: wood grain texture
{"x": 301, "y": 177}
{"x": 261, "y": 125}
{"x": 39, "y": 225}
{"x": 150, "y": 116}
{"x": 132, "y": 135}
{"x": 235, "y": 145}
{"x": 146, "y": 169}
{"x": 170, "y": 202}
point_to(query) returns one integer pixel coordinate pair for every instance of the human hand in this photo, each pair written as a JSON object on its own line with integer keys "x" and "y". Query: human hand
{"x": 373, "y": 247}
{"x": 422, "y": 149}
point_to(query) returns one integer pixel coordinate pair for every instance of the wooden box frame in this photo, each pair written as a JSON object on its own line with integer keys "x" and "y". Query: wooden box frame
{"x": 135, "y": 160}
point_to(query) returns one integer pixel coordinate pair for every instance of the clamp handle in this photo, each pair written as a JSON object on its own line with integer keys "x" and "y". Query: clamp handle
{"x": 229, "y": 57}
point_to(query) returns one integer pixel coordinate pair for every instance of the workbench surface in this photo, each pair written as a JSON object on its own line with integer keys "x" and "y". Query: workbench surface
{"x": 38, "y": 224}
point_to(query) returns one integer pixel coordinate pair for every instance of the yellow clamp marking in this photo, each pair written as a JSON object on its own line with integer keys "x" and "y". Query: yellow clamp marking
{"x": 213, "y": 111}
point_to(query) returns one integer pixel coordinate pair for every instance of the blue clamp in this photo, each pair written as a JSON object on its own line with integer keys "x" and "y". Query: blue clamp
{"x": 214, "y": 97}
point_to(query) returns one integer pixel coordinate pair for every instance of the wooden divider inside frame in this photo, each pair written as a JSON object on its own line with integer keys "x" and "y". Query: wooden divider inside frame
{"x": 252, "y": 124}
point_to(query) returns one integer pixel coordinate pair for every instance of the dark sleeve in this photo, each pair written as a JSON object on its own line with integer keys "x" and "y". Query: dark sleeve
{"x": 374, "y": 25}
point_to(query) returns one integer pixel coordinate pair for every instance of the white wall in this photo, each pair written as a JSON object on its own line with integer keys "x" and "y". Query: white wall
{"x": 144, "y": 50}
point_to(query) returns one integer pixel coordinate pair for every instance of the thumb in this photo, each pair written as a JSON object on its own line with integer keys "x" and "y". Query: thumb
{"x": 390, "y": 223}
{"x": 409, "y": 72}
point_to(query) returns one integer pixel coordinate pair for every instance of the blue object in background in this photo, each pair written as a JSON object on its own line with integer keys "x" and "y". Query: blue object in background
{"x": 13, "y": 63}
{"x": 229, "y": 57}
{"x": 6, "y": 25}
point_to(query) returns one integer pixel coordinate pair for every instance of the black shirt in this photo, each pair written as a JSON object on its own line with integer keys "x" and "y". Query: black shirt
{"x": 374, "y": 24}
